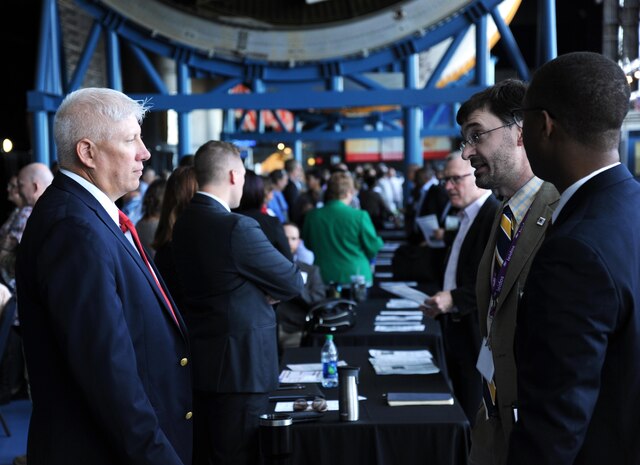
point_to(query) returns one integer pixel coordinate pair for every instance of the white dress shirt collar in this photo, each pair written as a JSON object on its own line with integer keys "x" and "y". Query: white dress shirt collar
{"x": 217, "y": 199}
{"x": 573, "y": 188}
{"x": 101, "y": 197}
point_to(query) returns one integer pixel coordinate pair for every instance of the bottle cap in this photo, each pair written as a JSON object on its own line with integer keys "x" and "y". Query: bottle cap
{"x": 329, "y": 337}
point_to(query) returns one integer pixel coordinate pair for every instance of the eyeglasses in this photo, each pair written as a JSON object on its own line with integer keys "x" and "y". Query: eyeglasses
{"x": 475, "y": 137}
{"x": 454, "y": 179}
{"x": 318, "y": 404}
{"x": 518, "y": 113}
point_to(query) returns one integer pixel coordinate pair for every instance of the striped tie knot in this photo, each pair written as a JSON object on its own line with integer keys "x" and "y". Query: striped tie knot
{"x": 504, "y": 237}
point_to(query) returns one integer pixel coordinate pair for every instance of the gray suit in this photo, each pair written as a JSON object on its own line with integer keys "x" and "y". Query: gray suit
{"x": 489, "y": 438}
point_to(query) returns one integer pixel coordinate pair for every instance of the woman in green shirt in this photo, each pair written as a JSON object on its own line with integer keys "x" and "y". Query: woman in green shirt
{"x": 342, "y": 238}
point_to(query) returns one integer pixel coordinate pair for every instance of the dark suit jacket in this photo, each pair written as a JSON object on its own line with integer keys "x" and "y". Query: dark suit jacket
{"x": 291, "y": 314}
{"x": 272, "y": 228}
{"x": 226, "y": 266}
{"x": 291, "y": 193}
{"x": 578, "y": 333}
{"x": 504, "y": 322}
{"x": 461, "y": 333}
{"x": 103, "y": 351}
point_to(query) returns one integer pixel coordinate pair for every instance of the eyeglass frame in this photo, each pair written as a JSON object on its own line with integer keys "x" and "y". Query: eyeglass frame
{"x": 455, "y": 180}
{"x": 523, "y": 109}
{"x": 475, "y": 137}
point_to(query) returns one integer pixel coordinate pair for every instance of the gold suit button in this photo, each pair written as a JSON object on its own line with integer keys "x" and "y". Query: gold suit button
{"x": 183, "y": 362}
{"x": 188, "y": 415}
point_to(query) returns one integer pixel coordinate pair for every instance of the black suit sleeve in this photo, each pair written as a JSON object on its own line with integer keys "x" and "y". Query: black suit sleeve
{"x": 272, "y": 272}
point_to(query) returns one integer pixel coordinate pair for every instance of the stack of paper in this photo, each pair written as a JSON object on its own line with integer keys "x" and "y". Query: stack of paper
{"x": 304, "y": 373}
{"x": 402, "y": 303}
{"x": 402, "y": 290}
{"x": 399, "y": 321}
{"x": 402, "y": 362}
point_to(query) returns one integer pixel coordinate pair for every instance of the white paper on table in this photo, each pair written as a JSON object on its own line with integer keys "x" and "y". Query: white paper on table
{"x": 422, "y": 369}
{"x": 403, "y": 355}
{"x": 398, "y": 328}
{"x": 402, "y": 303}
{"x": 288, "y": 376}
{"x": 383, "y": 261}
{"x": 398, "y": 318}
{"x": 310, "y": 366}
{"x": 404, "y": 291}
{"x": 390, "y": 246}
{"x": 428, "y": 224}
{"x": 384, "y": 274}
{"x": 402, "y": 312}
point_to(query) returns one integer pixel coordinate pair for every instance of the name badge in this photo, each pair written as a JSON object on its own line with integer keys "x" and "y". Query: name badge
{"x": 485, "y": 361}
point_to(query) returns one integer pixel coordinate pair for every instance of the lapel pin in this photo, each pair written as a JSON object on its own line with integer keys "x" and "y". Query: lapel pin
{"x": 541, "y": 221}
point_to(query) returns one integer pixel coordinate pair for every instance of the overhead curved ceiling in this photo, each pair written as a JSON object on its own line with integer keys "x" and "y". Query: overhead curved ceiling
{"x": 287, "y": 31}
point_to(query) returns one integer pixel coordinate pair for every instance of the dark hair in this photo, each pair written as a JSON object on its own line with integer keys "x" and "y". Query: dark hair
{"x": 500, "y": 99}
{"x": 180, "y": 188}
{"x": 212, "y": 160}
{"x": 252, "y": 192}
{"x": 586, "y": 93}
{"x": 290, "y": 165}
{"x": 276, "y": 175}
{"x": 153, "y": 197}
{"x": 186, "y": 160}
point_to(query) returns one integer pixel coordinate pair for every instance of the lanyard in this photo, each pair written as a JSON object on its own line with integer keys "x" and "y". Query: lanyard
{"x": 497, "y": 279}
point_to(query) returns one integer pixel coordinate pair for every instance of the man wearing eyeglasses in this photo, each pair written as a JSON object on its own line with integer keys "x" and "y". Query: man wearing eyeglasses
{"x": 455, "y": 305}
{"x": 492, "y": 142}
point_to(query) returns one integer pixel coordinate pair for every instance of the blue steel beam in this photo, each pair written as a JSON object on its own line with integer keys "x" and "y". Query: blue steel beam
{"x": 283, "y": 78}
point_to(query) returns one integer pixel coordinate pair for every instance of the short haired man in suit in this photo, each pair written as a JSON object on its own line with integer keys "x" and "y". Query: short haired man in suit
{"x": 455, "y": 304}
{"x": 578, "y": 332}
{"x": 106, "y": 350}
{"x": 231, "y": 275}
{"x": 492, "y": 141}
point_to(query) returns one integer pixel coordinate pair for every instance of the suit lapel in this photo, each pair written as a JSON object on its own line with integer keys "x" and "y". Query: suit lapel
{"x": 68, "y": 184}
{"x": 611, "y": 176}
{"x": 532, "y": 234}
{"x": 536, "y": 224}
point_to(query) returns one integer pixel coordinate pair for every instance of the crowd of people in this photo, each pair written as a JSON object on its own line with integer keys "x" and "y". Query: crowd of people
{"x": 152, "y": 309}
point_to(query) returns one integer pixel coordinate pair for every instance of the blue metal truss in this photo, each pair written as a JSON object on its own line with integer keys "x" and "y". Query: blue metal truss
{"x": 428, "y": 111}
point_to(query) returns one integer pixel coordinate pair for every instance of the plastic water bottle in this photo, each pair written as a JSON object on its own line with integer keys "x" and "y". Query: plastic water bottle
{"x": 329, "y": 358}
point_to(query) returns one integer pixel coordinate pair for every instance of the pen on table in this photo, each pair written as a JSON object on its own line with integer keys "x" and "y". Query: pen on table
{"x": 293, "y": 386}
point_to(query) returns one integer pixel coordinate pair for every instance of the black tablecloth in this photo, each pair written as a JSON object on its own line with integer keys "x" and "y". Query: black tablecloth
{"x": 363, "y": 334}
{"x": 383, "y": 435}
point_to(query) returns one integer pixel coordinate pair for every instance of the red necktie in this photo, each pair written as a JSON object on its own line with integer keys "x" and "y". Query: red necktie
{"x": 127, "y": 225}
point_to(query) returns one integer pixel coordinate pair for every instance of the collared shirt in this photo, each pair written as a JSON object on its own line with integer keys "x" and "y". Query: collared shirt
{"x": 217, "y": 199}
{"x": 100, "y": 196}
{"x": 468, "y": 215}
{"x": 521, "y": 201}
{"x": 573, "y": 188}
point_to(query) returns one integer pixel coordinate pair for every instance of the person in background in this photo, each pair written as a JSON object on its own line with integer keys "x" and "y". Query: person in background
{"x": 455, "y": 305}
{"x": 372, "y": 202}
{"x": 342, "y": 238}
{"x": 151, "y": 208}
{"x": 148, "y": 176}
{"x": 492, "y": 142}
{"x": 231, "y": 276}
{"x": 312, "y": 198}
{"x": 292, "y": 313}
{"x": 577, "y": 338}
{"x": 32, "y": 180}
{"x": 294, "y": 186}
{"x": 252, "y": 204}
{"x": 278, "y": 205}
{"x": 106, "y": 349}
{"x": 180, "y": 189}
